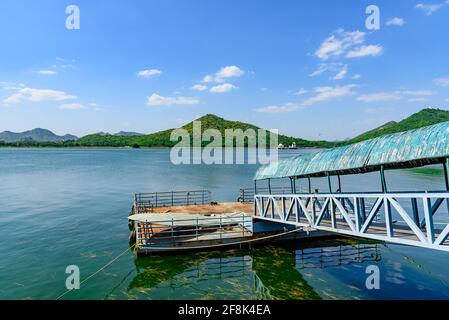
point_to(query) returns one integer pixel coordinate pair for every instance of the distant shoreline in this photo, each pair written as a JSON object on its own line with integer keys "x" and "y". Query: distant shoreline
{"x": 125, "y": 148}
{"x": 79, "y": 147}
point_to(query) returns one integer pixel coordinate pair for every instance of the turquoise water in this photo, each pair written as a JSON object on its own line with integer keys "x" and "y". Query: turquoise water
{"x": 63, "y": 207}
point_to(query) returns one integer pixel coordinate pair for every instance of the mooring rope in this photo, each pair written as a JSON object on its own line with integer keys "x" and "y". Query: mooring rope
{"x": 98, "y": 271}
{"x": 183, "y": 248}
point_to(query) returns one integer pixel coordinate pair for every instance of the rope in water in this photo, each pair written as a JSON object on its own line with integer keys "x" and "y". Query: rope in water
{"x": 98, "y": 271}
{"x": 183, "y": 248}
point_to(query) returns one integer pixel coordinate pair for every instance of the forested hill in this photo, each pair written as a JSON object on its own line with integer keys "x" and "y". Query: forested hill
{"x": 209, "y": 121}
{"x": 43, "y": 137}
{"x": 423, "y": 118}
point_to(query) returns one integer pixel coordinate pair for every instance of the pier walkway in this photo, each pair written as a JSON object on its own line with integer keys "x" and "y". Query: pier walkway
{"x": 416, "y": 219}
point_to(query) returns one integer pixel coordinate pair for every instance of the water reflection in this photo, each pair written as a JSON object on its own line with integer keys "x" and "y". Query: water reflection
{"x": 270, "y": 272}
{"x": 337, "y": 256}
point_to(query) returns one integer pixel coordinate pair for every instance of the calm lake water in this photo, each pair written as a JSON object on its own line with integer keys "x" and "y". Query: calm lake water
{"x": 63, "y": 207}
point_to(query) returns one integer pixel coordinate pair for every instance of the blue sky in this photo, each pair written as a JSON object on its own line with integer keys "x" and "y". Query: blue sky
{"x": 308, "y": 68}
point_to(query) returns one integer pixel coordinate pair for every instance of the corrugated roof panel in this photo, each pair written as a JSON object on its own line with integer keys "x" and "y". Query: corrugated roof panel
{"x": 425, "y": 143}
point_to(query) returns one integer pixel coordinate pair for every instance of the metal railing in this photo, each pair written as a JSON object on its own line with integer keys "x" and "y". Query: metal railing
{"x": 247, "y": 194}
{"x": 403, "y": 218}
{"x": 145, "y": 202}
{"x": 177, "y": 232}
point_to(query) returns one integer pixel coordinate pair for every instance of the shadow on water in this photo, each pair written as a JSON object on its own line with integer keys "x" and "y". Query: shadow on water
{"x": 266, "y": 273}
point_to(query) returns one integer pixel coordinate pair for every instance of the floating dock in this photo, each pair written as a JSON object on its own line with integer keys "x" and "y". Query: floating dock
{"x": 171, "y": 222}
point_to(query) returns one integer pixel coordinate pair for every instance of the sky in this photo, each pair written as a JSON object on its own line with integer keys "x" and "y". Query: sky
{"x": 311, "y": 69}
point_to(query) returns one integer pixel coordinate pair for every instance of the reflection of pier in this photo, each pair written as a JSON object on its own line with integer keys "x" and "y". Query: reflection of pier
{"x": 335, "y": 256}
{"x": 250, "y": 266}
{"x": 240, "y": 267}
{"x": 220, "y": 268}
{"x": 195, "y": 268}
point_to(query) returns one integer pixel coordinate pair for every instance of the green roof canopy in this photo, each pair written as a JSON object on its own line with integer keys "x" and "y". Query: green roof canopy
{"x": 407, "y": 149}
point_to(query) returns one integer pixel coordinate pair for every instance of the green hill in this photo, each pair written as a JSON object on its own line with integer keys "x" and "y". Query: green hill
{"x": 423, "y": 118}
{"x": 45, "y": 138}
{"x": 162, "y": 138}
{"x": 37, "y": 135}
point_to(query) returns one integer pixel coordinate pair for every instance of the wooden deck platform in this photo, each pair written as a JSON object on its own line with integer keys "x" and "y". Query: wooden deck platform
{"x": 207, "y": 209}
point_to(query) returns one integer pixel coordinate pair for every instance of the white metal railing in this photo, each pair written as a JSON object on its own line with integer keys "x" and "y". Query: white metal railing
{"x": 145, "y": 202}
{"x": 403, "y": 218}
{"x": 247, "y": 194}
{"x": 175, "y": 232}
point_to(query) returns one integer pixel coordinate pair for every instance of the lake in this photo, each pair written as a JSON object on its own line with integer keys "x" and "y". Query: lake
{"x": 63, "y": 207}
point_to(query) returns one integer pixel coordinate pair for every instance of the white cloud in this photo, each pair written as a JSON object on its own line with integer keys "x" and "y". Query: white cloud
{"x": 222, "y": 88}
{"x": 341, "y": 74}
{"x": 356, "y": 76}
{"x": 71, "y": 106}
{"x": 47, "y": 72}
{"x": 229, "y": 72}
{"x": 442, "y": 82}
{"x": 199, "y": 87}
{"x": 340, "y": 70}
{"x": 364, "y": 51}
{"x": 396, "y": 21}
{"x": 300, "y": 92}
{"x": 208, "y": 79}
{"x": 14, "y": 98}
{"x": 410, "y": 95}
{"x": 337, "y": 44}
{"x": 148, "y": 73}
{"x": 447, "y": 100}
{"x": 322, "y": 94}
{"x": 157, "y": 100}
{"x": 5, "y": 85}
{"x": 224, "y": 74}
{"x": 38, "y": 95}
{"x": 330, "y": 93}
{"x": 321, "y": 69}
{"x": 429, "y": 8}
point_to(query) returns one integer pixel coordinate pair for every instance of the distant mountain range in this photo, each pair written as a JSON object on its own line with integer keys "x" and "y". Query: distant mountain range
{"x": 38, "y": 134}
{"x": 120, "y": 134}
{"x": 128, "y": 134}
{"x": 43, "y": 137}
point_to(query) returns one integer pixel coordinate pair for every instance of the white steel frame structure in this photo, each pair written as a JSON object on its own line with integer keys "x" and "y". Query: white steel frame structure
{"x": 400, "y": 218}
